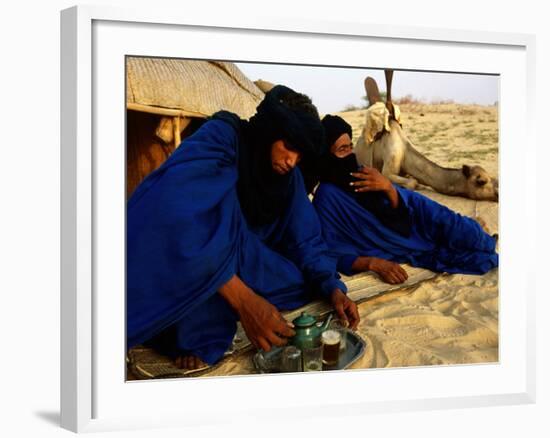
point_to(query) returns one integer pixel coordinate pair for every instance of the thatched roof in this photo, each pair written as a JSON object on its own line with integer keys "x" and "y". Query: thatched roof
{"x": 197, "y": 88}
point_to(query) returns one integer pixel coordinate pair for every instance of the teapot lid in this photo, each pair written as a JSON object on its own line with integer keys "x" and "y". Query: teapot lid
{"x": 304, "y": 320}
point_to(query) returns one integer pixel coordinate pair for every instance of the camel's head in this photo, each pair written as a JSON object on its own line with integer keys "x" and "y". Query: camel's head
{"x": 479, "y": 184}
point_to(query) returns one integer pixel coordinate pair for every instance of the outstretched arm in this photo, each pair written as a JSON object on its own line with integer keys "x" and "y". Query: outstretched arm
{"x": 305, "y": 246}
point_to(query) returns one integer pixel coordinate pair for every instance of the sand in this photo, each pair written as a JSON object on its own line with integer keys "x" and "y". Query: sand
{"x": 449, "y": 320}
{"x": 452, "y": 319}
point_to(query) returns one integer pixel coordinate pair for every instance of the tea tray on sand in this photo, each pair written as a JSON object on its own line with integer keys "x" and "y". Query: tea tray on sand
{"x": 271, "y": 360}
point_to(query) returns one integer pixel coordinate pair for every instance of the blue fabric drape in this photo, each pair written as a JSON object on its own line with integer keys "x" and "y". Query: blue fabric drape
{"x": 441, "y": 240}
{"x": 187, "y": 236}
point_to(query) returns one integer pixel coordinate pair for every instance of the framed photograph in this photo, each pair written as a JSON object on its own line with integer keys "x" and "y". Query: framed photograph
{"x": 122, "y": 118}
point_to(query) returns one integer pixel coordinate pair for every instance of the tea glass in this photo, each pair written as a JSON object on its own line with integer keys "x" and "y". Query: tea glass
{"x": 313, "y": 357}
{"x": 291, "y": 360}
{"x": 340, "y": 325}
{"x": 331, "y": 341}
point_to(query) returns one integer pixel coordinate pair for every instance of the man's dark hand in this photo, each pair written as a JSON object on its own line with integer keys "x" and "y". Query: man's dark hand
{"x": 370, "y": 179}
{"x": 345, "y": 308}
{"x": 390, "y": 272}
{"x": 263, "y": 323}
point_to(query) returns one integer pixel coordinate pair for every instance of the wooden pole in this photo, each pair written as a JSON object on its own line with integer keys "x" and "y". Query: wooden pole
{"x": 177, "y": 132}
{"x": 164, "y": 111}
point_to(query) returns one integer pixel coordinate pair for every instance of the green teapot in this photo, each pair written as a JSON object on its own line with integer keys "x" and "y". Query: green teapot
{"x": 308, "y": 331}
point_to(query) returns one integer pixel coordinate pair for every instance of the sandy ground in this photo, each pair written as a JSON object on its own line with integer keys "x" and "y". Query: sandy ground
{"x": 449, "y": 320}
{"x": 452, "y": 319}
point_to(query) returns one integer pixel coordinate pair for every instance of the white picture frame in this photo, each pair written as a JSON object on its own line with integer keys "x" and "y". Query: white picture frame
{"x": 93, "y": 397}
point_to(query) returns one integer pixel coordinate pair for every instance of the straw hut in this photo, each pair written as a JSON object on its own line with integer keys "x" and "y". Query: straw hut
{"x": 168, "y": 99}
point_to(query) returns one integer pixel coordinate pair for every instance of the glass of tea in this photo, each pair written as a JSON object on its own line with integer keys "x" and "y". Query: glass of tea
{"x": 340, "y": 325}
{"x": 331, "y": 339}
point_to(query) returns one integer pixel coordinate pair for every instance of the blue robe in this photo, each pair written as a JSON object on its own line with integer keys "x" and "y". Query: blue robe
{"x": 441, "y": 240}
{"x": 187, "y": 236}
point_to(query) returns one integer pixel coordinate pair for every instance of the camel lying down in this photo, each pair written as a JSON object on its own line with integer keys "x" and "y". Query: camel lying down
{"x": 384, "y": 145}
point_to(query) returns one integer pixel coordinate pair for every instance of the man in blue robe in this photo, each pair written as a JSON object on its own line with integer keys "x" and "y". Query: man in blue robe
{"x": 224, "y": 231}
{"x": 371, "y": 224}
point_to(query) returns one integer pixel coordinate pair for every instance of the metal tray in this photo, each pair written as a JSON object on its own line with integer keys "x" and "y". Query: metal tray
{"x": 270, "y": 361}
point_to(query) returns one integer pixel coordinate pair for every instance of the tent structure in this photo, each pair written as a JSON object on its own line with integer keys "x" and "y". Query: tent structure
{"x": 168, "y": 99}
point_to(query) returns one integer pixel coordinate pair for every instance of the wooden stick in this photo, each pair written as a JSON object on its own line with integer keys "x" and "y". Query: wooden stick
{"x": 163, "y": 111}
{"x": 177, "y": 132}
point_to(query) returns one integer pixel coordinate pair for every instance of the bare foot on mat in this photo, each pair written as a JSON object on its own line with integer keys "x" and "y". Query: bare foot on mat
{"x": 189, "y": 362}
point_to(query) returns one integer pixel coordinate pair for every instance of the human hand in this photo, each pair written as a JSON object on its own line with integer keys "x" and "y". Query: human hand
{"x": 263, "y": 323}
{"x": 390, "y": 272}
{"x": 345, "y": 308}
{"x": 371, "y": 180}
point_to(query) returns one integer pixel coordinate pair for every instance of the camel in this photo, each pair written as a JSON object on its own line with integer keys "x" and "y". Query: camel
{"x": 384, "y": 145}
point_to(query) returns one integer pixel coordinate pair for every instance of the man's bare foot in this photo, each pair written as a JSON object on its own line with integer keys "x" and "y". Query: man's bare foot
{"x": 189, "y": 362}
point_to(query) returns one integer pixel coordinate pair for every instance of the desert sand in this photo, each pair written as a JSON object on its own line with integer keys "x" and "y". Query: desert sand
{"x": 451, "y": 319}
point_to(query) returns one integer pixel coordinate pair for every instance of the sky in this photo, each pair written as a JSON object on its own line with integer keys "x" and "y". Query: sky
{"x": 334, "y": 88}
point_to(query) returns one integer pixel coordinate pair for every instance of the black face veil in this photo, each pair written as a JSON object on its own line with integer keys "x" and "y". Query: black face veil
{"x": 331, "y": 168}
{"x": 327, "y": 167}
